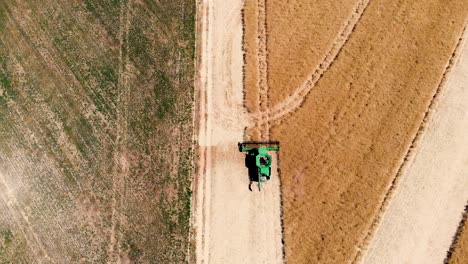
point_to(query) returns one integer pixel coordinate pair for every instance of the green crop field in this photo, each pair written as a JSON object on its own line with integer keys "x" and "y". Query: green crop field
{"x": 96, "y": 107}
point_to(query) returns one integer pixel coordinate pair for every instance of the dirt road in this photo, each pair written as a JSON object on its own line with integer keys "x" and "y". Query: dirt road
{"x": 426, "y": 208}
{"x": 233, "y": 224}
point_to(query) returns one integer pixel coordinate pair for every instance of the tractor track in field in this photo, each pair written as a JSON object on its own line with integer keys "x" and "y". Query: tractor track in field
{"x": 121, "y": 168}
{"x": 293, "y": 102}
{"x": 410, "y": 154}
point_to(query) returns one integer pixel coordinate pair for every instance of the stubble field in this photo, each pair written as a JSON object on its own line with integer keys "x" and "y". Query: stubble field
{"x": 346, "y": 104}
{"x": 95, "y": 130}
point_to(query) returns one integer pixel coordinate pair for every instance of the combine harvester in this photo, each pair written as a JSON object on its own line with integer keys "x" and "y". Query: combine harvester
{"x": 257, "y": 160}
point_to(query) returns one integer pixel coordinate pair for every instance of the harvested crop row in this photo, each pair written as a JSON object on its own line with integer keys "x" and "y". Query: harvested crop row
{"x": 251, "y": 69}
{"x": 342, "y": 149}
{"x": 264, "y": 125}
{"x": 256, "y": 98}
{"x": 251, "y": 65}
{"x": 459, "y": 253}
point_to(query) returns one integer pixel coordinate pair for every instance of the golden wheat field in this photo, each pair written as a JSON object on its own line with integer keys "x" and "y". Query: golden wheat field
{"x": 348, "y": 87}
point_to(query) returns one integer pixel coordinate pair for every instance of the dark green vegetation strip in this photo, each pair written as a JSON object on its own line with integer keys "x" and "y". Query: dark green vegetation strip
{"x": 96, "y": 103}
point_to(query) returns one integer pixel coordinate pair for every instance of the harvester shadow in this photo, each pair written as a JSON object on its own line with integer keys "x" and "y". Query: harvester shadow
{"x": 250, "y": 164}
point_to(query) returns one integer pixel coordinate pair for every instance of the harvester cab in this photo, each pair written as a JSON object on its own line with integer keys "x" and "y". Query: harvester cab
{"x": 257, "y": 160}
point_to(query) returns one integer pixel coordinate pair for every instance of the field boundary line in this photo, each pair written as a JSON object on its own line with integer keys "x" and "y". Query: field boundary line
{"x": 202, "y": 184}
{"x": 461, "y": 228}
{"x": 193, "y": 230}
{"x": 292, "y": 103}
{"x": 409, "y": 156}
{"x": 121, "y": 168}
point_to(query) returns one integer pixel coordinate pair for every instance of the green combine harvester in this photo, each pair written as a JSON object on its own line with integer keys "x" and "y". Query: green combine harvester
{"x": 257, "y": 160}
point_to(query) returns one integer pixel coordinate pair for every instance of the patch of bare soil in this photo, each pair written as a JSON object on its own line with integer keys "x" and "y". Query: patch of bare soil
{"x": 342, "y": 149}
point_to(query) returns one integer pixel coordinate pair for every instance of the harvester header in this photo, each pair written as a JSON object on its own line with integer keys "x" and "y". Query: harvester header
{"x": 268, "y": 145}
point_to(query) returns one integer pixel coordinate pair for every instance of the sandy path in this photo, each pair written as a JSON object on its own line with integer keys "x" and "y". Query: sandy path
{"x": 426, "y": 209}
{"x": 233, "y": 225}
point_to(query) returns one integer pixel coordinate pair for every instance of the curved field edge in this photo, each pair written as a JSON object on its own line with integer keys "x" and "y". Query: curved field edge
{"x": 96, "y": 101}
{"x": 398, "y": 222}
{"x": 458, "y": 252}
{"x": 342, "y": 149}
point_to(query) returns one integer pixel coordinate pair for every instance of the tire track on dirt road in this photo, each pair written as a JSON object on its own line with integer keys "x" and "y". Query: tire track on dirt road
{"x": 121, "y": 168}
{"x": 203, "y": 195}
{"x": 293, "y": 102}
{"x": 195, "y": 168}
